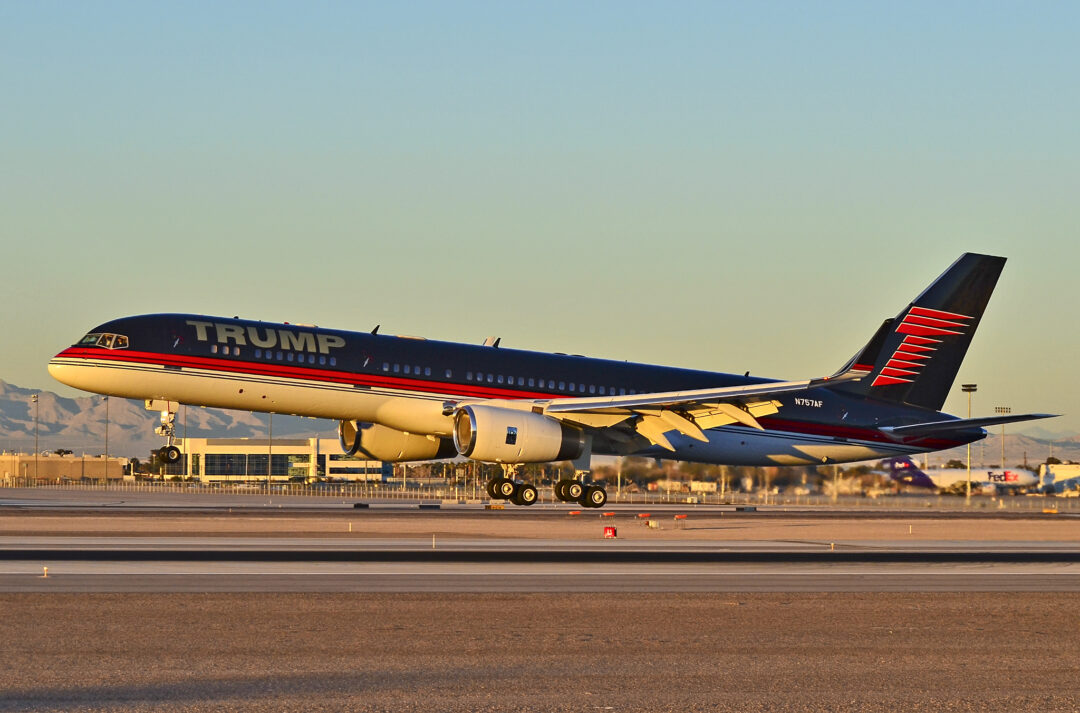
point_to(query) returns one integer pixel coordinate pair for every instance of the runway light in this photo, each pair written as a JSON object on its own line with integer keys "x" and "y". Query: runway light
{"x": 45, "y": 572}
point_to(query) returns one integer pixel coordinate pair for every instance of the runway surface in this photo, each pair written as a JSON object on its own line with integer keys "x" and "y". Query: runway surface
{"x": 91, "y": 542}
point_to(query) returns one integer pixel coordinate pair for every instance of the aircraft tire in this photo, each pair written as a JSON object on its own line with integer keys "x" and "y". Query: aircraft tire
{"x": 505, "y": 488}
{"x": 490, "y": 486}
{"x": 525, "y": 494}
{"x": 560, "y": 491}
{"x": 573, "y": 490}
{"x": 170, "y": 454}
{"x": 593, "y": 497}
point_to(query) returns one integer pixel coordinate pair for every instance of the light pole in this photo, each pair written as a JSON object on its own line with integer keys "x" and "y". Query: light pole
{"x": 105, "y": 475}
{"x": 969, "y": 389}
{"x": 34, "y": 398}
{"x": 1002, "y": 410}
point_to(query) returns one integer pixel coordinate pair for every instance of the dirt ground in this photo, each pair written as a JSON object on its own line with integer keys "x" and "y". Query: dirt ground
{"x": 540, "y": 652}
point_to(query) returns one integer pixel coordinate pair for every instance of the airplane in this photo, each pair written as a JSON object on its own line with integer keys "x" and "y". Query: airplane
{"x": 905, "y": 471}
{"x": 402, "y": 398}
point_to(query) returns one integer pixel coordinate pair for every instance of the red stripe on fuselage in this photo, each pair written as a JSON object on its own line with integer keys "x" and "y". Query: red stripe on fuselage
{"x": 259, "y": 368}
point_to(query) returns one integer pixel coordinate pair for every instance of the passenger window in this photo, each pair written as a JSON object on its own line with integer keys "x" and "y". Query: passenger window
{"x": 397, "y": 368}
{"x": 521, "y": 381}
{"x": 322, "y": 361}
{"x": 416, "y": 370}
{"x": 592, "y": 389}
{"x": 571, "y": 386}
{"x": 551, "y": 383}
{"x": 468, "y": 375}
{"x": 622, "y": 392}
{"x": 333, "y": 361}
{"x": 213, "y": 348}
{"x": 279, "y": 356}
{"x": 532, "y": 382}
{"x": 258, "y": 353}
{"x": 386, "y": 366}
{"x": 427, "y": 371}
{"x": 490, "y": 378}
{"x": 500, "y": 378}
{"x": 290, "y": 356}
{"x": 448, "y": 374}
{"x": 406, "y": 368}
{"x": 562, "y": 386}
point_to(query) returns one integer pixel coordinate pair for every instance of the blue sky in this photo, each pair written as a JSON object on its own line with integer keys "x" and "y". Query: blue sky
{"x": 722, "y": 186}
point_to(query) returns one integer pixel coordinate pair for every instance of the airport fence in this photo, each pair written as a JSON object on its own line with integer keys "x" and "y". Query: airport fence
{"x": 449, "y": 494}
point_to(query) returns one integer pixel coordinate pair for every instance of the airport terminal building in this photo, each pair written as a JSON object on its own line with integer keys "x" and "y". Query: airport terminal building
{"x": 280, "y": 460}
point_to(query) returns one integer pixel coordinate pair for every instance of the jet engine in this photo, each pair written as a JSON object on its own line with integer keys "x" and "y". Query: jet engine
{"x": 502, "y": 435}
{"x": 389, "y": 444}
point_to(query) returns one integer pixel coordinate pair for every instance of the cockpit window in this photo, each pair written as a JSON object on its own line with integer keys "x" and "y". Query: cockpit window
{"x": 108, "y": 341}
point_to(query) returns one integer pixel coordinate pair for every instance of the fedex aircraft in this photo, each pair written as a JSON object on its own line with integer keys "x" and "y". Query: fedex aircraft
{"x": 403, "y": 398}
{"x": 904, "y": 470}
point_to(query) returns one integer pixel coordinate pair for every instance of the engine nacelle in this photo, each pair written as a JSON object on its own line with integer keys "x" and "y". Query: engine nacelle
{"x": 389, "y": 444}
{"x": 502, "y": 435}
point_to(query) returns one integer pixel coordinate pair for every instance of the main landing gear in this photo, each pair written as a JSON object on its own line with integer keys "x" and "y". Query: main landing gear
{"x": 507, "y": 487}
{"x": 573, "y": 490}
{"x": 168, "y": 453}
{"x": 567, "y": 490}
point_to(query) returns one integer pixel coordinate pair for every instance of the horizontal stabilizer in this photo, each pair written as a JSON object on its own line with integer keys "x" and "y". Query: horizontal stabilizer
{"x": 932, "y": 427}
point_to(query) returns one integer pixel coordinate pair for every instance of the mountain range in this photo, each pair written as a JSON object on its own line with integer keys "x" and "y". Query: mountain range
{"x": 78, "y": 425}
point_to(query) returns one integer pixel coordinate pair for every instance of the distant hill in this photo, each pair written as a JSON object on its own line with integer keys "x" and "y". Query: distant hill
{"x": 79, "y": 424}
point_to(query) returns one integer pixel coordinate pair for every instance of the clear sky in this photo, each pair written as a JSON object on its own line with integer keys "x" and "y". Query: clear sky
{"x": 725, "y": 186}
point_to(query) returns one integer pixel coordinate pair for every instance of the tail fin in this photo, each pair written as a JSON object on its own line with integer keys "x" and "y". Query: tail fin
{"x": 921, "y": 357}
{"x": 906, "y": 471}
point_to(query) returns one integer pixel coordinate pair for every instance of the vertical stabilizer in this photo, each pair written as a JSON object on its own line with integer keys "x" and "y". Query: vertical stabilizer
{"x": 930, "y": 337}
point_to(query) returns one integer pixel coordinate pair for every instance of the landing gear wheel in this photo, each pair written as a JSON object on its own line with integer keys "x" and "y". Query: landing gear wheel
{"x": 170, "y": 454}
{"x": 491, "y": 491}
{"x": 504, "y": 488}
{"x": 573, "y": 490}
{"x": 594, "y": 497}
{"x": 524, "y": 494}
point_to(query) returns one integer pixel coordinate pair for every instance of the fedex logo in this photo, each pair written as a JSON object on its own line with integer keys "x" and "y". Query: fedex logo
{"x": 1004, "y": 477}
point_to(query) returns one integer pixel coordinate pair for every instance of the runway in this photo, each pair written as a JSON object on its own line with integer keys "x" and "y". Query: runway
{"x": 90, "y": 544}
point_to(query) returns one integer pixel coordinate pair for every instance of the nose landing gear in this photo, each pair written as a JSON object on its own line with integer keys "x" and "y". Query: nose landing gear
{"x": 169, "y": 452}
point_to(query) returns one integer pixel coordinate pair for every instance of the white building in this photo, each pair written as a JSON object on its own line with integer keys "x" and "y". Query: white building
{"x": 279, "y": 460}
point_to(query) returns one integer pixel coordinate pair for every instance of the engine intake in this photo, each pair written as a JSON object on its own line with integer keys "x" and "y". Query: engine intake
{"x": 502, "y": 435}
{"x": 389, "y": 444}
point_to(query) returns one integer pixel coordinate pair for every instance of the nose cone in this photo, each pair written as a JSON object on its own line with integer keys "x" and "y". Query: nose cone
{"x": 59, "y": 370}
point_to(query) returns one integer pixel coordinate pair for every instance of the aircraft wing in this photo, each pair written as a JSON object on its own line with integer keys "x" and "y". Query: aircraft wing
{"x": 691, "y": 412}
{"x": 929, "y": 428}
